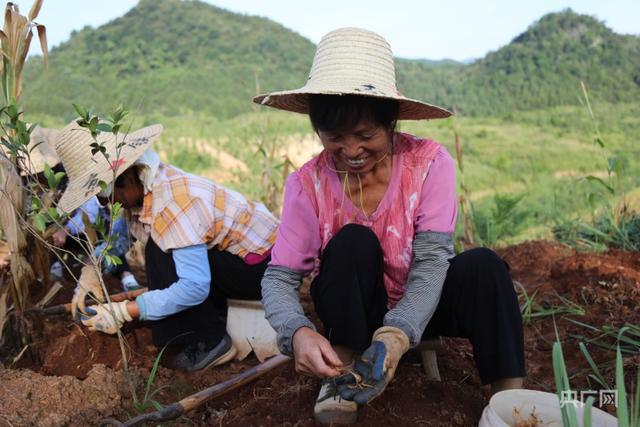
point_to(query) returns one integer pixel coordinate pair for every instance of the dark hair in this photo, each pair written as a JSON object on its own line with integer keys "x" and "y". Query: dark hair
{"x": 338, "y": 113}
{"x": 120, "y": 180}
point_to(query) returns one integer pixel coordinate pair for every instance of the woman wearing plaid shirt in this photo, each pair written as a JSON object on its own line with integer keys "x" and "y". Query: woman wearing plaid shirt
{"x": 204, "y": 243}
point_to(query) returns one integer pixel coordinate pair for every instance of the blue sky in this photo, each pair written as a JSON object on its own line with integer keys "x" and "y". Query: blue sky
{"x": 456, "y": 29}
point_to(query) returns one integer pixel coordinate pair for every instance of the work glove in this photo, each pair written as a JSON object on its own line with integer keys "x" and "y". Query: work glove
{"x": 375, "y": 368}
{"x": 135, "y": 255}
{"x": 89, "y": 283}
{"x": 107, "y": 318}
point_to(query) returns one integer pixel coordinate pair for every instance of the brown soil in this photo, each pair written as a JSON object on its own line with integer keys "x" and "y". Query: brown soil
{"x": 607, "y": 285}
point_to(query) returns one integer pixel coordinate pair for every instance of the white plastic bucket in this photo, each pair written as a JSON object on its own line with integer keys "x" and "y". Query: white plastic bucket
{"x": 249, "y": 330}
{"x": 546, "y": 407}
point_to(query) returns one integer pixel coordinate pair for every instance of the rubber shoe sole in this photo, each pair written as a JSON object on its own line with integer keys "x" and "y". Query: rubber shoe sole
{"x": 221, "y": 353}
{"x": 228, "y": 356}
{"x": 336, "y": 417}
{"x": 330, "y": 408}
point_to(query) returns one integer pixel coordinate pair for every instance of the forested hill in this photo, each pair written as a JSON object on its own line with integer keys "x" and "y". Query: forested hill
{"x": 541, "y": 67}
{"x": 170, "y": 57}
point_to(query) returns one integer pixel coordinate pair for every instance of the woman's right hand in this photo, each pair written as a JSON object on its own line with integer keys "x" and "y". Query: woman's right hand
{"x": 314, "y": 355}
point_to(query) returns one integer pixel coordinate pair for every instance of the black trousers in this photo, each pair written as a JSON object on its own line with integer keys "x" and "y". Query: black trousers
{"x": 478, "y": 302}
{"x": 231, "y": 277}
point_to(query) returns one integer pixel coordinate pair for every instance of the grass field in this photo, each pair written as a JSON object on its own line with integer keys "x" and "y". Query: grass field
{"x": 539, "y": 157}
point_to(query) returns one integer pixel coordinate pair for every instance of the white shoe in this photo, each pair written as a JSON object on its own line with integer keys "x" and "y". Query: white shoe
{"x": 129, "y": 283}
{"x": 55, "y": 272}
{"x": 330, "y": 408}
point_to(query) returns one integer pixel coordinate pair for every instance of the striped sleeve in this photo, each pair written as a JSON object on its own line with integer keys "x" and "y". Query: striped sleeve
{"x": 281, "y": 300}
{"x": 432, "y": 251}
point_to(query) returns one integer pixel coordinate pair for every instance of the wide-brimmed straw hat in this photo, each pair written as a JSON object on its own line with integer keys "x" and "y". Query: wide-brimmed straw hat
{"x": 41, "y": 151}
{"x": 85, "y": 170}
{"x": 352, "y": 61}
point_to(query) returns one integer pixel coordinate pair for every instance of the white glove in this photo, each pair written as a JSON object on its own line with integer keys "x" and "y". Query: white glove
{"x": 89, "y": 283}
{"x": 107, "y": 318}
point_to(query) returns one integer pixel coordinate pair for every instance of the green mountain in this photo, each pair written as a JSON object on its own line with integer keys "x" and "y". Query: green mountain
{"x": 169, "y": 57}
{"x": 541, "y": 67}
{"x": 175, "y": 57}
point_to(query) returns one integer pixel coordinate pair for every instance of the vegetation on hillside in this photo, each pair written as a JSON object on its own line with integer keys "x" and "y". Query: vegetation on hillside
{"x": 169, "y": 58}
{"x": 175, "y": 58}
{"x": 195, "y": 67}
{"x": 541, "y": 67}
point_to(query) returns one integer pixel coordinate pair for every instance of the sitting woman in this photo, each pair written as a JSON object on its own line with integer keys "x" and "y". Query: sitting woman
{"x": 204, "y": 243}
{"x": 371, "y": 219}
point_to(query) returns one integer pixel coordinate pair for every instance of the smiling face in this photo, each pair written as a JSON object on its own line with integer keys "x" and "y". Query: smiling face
{"x": 357, "y": 150}
{"x": 356, "y": 130}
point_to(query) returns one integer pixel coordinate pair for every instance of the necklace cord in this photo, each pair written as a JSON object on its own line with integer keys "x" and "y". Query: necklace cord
{"x": 346, "y": 188}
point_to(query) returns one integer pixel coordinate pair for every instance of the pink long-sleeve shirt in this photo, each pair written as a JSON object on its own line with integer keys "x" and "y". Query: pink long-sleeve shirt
{"x": 421, "y": 197}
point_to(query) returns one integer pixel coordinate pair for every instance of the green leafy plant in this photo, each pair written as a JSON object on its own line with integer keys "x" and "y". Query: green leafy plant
{"x": 531, "y": 309}
{"x": 596, "y": 375}
{"x": 501, "y": 221}
{"x": 148, "y": 400}
{"x": 563, "y": 387}
{"x": 627, "y": 407}
{"x": 612, "y": 223}
{"x": 610, "y": 337}
{"x": 628, "y": 410}
{"x": 603, "y": 233}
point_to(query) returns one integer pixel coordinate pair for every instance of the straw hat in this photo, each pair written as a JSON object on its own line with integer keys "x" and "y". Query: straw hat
{"x": 41, "y": 151}
{"x": 352, "y": 61}
{"x": 85, "y": 170}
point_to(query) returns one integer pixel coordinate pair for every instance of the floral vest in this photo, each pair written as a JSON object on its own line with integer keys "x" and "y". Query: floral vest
{"x": 394, "y": 219}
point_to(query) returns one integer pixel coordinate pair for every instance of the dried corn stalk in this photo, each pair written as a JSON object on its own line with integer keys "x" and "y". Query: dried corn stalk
{"x": 15, "y": 39}
{"x": 11, "y": 205}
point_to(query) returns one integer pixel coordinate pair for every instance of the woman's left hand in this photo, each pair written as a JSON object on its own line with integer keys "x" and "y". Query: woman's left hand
{"x": 374, "y": 370}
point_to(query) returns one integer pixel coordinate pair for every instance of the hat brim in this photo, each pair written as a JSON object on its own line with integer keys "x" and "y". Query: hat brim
{"x": 297, "y": 101}
{"x": 44, "y": 153}
{"x": 41, "y": 152}
{"x": 83, "y": 187}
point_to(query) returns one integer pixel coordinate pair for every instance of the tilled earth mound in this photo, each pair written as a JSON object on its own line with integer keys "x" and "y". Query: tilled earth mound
{"x": 74, "y": 377}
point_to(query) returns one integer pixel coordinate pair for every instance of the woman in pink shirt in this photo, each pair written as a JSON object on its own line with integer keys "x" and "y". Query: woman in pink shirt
{"x": 371, "y": 220}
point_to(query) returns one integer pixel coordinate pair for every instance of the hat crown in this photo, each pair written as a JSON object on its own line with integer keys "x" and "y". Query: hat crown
{"x": 74, "y": 150}
{"x": 352, "y": 61}
{"x": 356, "y": 59}
{"x": 85, "y": 170}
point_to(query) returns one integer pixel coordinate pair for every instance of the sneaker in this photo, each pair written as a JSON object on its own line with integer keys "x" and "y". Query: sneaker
{"x": 55, "y": 272}
{"x": 198, "y": 356}
{"x": 129, "y": 283}
{"x": 330, "y": 408}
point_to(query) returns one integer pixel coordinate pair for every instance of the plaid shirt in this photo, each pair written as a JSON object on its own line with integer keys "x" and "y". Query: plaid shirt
{"x": 185, "y": 210}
